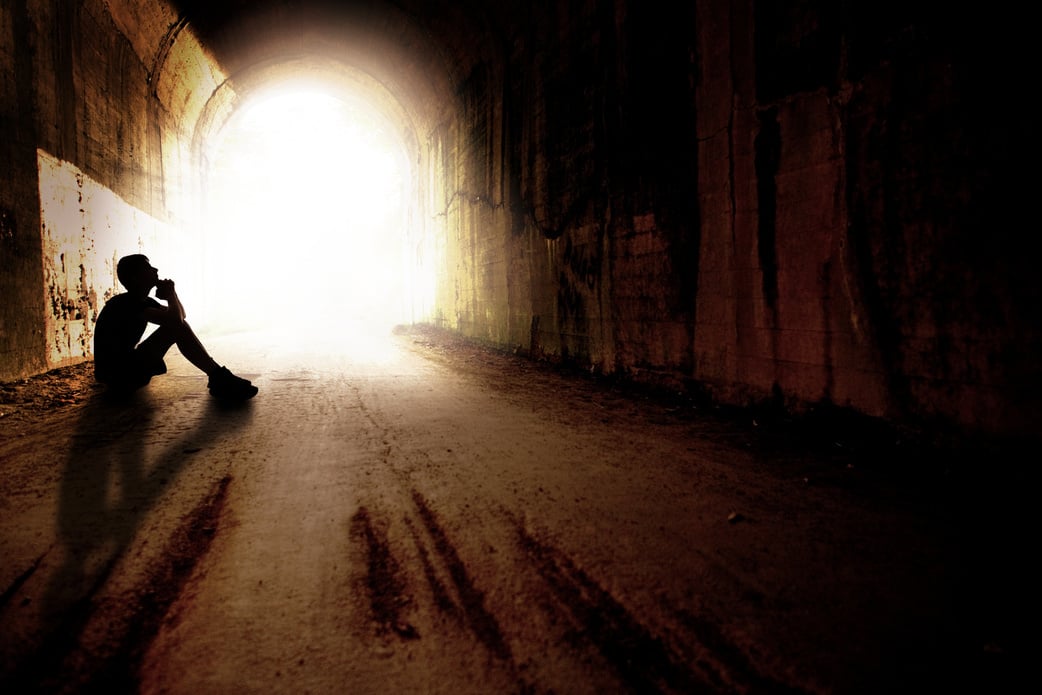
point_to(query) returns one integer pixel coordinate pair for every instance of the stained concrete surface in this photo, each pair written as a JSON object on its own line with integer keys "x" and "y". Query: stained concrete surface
{"x": 414, "y": 513}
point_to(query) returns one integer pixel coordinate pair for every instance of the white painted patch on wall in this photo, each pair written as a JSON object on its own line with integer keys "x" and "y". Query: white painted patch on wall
{"x": 85, "y": 229}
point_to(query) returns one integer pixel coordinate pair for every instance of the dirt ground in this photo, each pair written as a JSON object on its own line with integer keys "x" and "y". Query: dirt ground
{"x": 460, "y": 519}
{"x": 24, "y": 400}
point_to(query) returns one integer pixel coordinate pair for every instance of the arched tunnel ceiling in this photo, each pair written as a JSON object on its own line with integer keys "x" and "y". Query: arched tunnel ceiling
{"x": 325, "y": 73}
{"x": 405, "y": 57}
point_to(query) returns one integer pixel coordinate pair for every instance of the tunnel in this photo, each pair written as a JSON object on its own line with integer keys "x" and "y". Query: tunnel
{"x": 799, "y": 209}
{"x": 749, "y": 203}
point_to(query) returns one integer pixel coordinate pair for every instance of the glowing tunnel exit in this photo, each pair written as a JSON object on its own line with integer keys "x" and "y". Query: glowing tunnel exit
{"x": 305, "y": 216}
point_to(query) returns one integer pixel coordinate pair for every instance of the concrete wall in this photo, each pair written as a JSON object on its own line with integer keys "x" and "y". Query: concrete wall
{"x": 21, "y": 269}
{"x": 808, "y": 206}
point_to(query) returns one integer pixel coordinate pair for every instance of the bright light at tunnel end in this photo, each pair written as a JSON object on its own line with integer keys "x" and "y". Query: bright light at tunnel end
{"x": 305, "y": 218}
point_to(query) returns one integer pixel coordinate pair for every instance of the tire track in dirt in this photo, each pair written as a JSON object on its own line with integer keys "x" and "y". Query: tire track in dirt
{"x": 727, "y": 659}
{"x": 472, "y": 600}
{"x": 642, "y": 661}
{"x": 469, "y": 605}
{"x": 645, "y": 662}
{"x": 21, "y": 579}
{"x": 442, "y": 600}
{"x": 389, "y": 599}
{"x": 66, "y": 659}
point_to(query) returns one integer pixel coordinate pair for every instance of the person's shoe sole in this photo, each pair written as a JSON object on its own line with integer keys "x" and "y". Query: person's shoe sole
{"x": 236, "y": 395}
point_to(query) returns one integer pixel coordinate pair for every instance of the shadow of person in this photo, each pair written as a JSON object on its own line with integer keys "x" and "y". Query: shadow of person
{"x": 106, "y": 460}
{"x": 121, "y": 460}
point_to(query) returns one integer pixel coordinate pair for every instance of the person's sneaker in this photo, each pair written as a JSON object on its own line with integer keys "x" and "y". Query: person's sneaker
{"x": 226, "y": 386}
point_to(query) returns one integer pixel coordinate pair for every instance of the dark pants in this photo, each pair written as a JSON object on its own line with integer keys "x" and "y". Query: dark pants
{"x": 145, "y": 362}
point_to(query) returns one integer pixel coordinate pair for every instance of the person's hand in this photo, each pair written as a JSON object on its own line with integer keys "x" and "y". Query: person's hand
{"x": 164, "y": 289}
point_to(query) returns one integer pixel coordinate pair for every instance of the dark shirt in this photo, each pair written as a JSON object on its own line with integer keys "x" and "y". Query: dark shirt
{"x": 117, "y": 332}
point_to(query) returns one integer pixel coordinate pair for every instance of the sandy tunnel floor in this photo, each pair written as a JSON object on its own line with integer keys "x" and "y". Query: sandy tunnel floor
{"x": 417, "y": 514}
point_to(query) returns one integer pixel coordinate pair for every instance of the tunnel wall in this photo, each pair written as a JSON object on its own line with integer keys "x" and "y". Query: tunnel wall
{"x": 96, "y": 142}
{"x": 21, "y": 271}
{"x": 803, "y": 206}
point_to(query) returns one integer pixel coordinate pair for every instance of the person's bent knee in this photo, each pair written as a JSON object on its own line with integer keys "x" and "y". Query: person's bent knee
{"x": 176, "y": 328}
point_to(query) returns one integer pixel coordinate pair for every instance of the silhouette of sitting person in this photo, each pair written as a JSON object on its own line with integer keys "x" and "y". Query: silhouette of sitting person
{"x": 126, "y": 363}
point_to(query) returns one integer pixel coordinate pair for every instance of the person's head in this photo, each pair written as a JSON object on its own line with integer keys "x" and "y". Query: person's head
{"x": 136, "y": 273}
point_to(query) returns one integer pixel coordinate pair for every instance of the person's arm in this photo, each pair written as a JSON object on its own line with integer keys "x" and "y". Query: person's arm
{"x": 165, "y": 290}
{"x": 173, "y": 312}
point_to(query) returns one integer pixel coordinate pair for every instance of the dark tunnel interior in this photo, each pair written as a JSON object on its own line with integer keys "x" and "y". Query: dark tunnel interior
{"x": 803, "y": 213}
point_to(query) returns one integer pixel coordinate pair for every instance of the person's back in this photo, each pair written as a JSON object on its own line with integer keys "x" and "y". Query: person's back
{"x": 117, "y": 332}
